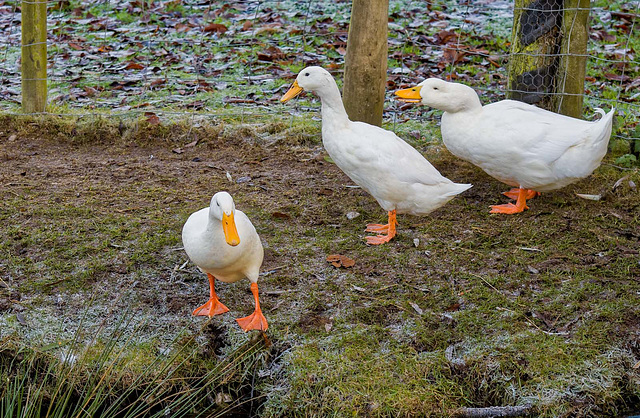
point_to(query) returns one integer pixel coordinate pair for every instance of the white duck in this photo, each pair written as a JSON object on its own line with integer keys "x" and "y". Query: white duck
{"x": 223, "y": 243}
{"x": 526, "y": 147}
{"x": 392, "y": 171}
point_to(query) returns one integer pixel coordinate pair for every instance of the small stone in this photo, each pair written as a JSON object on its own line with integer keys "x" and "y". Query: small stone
{"x": 352, "y": 215}
{"x": 532, "y": 270}
{"x": 416, "y": 242}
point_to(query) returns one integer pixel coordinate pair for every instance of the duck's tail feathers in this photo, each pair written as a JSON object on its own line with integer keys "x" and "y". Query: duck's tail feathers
{"x": 604, "y": 114}
{"x": 459, "y": 188}
{"x": 601, "y": 134}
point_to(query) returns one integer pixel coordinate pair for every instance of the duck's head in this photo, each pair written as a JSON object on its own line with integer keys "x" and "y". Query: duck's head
{"x": 442, "y": 95}
{"x": 309, "y": 79}
{"x": 223, "y": 209}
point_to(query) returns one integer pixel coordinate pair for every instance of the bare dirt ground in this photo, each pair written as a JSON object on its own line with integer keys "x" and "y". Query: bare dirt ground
{"x": 556, "y": 284}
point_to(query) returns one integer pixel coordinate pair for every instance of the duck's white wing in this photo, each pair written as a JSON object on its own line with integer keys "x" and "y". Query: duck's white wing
{"x": 520, "y": 144}
{"x": 384, "y": 150}
{"x": 531, "y": 132}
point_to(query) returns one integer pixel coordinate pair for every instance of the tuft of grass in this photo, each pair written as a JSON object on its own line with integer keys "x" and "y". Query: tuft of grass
{"x": 108, "y": 375}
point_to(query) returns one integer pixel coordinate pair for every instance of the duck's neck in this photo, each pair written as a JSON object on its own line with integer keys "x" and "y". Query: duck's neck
{"x": 468, "y": 102}
{"x": 214, "y": 225}
{"x": 473, "y": 105}
{"x": 333, "y": 110}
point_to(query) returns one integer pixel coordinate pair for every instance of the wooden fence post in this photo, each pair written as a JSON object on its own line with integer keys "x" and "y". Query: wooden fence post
{"x": 34, "y": 55}
{"x": 365, "y": 71}
{"x": 548, "y": 54}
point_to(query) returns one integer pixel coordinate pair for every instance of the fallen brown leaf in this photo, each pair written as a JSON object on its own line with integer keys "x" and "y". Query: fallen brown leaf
{"x": 215, "y": 27}
{"x": 152, "y": 118}
{"x": 134, "y": 66}
{"x": 338, "y": 260}
{"x": 281, "y": 215}
{"x": 617, "y": 77}
{"x": 445, "y": 36}
{"x": 453, "y": 56}
{"x": 183, "y": 27}
{"x": 453, "y": 308}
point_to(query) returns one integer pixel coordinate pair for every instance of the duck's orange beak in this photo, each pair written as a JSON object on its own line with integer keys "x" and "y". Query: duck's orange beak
{"x": 411, "y": 95}
{"x": 230, "y": 230}
{"x": 293, "y": 91}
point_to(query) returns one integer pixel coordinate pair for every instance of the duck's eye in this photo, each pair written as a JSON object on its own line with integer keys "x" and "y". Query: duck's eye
{"x": 435, "y": 88}
{"x": 306, "y": 74}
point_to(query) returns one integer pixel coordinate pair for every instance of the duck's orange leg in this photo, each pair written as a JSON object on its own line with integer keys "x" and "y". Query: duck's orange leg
{"x": 515, "y": 192}
{"x": 389, "y": 229}
{"x": 510, "y": 208}
{"x": 256, "y": 320}
{"x": 213, "y": 305}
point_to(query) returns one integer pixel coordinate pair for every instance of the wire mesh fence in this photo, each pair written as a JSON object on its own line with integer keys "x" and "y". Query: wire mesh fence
{"x": 180, "y": 58}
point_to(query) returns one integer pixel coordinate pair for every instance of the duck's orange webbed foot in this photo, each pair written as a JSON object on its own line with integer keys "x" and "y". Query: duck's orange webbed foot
{"x": 515, "y": 192}
{"x": 379, "y": 239}
{"x": 256, "y": 320}
{"x": 211, "y": 308}
{"x": 389, "y": 229}
{"x": 213, "y": 305}
{"x": 508, "y": 208}
{"x": 379, "y": 228}
{"x": 521, "y": 202}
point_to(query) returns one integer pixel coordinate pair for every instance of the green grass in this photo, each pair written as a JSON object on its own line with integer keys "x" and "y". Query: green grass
{"x": 535, "y": 309}
{"x": 540, "y": 308}
{"x": 109, "y": 374}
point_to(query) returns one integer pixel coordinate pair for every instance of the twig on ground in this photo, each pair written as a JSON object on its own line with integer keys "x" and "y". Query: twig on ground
{"x": 273, "y": 270}
{"x": 529, "y": 249}
{"x": 488, "y": 284}
{"x": 532, "y": 323}
{"x": 56, "y": 282}
{"x": 5, "y": 284}
{"x": 385, "y": 287}
{"x": 494, "y": 411}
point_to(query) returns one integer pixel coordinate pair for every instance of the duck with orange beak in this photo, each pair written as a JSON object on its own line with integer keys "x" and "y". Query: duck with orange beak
{"x": 392, "y": 171}
{"x": 526, "y": 147}
{"x": 224, "y": 244}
